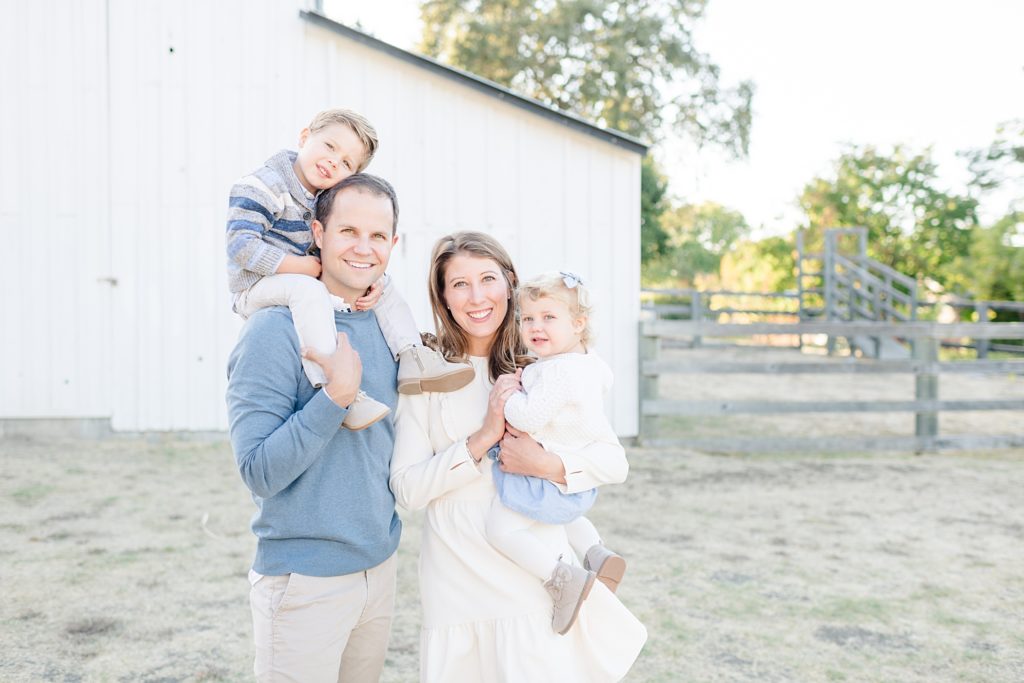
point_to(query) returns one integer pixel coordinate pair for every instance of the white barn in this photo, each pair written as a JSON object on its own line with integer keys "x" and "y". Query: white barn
{"x": 125, "y": 124}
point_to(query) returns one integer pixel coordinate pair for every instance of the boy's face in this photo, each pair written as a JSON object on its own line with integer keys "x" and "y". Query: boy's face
{"x": 355, "y": 244}
{"x": 328, "y": 156}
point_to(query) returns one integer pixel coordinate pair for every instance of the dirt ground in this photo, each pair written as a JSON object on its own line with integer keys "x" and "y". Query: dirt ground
{"x": 126, "y": 559}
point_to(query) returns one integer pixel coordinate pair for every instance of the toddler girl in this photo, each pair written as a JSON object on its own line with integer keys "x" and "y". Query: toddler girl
{"x": 561, "y": 405}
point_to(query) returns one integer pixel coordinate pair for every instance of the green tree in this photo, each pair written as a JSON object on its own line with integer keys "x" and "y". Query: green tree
{"x": 629, "y": 66}
{"x": 913, "y": 225}
{"x": 765, "y": 265}
{"x": 653, "y": 204}
{"x": 698, "y": 236}
{"x": 1002, "y": 162}
{"x": 994, "y": 267}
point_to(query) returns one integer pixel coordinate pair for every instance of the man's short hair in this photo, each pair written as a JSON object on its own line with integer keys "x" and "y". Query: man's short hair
{"x": 357, "y": 122}
{"x": 360, "y": 182}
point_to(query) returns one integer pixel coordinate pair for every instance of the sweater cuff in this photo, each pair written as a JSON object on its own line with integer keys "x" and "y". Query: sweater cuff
{"x": 267, "y": 260}
{"x": 322, "y": 414}
{"x": 462, "y": 457}
{"x": 574, "y": 470}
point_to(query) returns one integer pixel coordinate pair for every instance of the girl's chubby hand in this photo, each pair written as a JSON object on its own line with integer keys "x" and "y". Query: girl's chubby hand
{"x": 503, "y": 388}
{"x": 371, "y": 298}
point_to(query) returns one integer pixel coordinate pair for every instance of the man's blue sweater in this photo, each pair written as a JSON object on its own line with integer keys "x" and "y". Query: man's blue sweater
{"x": 324, "y": 505}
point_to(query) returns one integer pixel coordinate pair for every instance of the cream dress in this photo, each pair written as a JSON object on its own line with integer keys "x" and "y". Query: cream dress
{"x": 484, "y": 617}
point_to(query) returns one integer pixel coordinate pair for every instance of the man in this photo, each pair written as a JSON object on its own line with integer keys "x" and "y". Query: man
{"x": 323, "y": 580}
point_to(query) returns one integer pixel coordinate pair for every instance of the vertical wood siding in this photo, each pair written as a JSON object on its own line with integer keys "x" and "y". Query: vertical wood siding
{"x": 54, "y": 211}
{"x": 161, "y": 106}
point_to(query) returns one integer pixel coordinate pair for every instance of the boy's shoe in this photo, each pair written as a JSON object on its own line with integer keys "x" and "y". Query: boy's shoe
{"x": 363, "y": 412}
{"x": 423, "y": 369}
{"x": 568, "y": 586}
{"x": 609, "y": 565}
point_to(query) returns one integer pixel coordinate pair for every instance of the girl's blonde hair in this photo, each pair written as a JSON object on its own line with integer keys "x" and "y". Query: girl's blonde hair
{"x": 566, "y": 287}
{"x": 508, "y": 350}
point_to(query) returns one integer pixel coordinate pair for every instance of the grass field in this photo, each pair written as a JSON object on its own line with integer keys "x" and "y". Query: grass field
{"x": 126, "y": 560}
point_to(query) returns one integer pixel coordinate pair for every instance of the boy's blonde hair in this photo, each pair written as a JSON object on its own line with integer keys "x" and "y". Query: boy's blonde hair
{"x": 363, "y": 129}
{"x": 566, "y": 287}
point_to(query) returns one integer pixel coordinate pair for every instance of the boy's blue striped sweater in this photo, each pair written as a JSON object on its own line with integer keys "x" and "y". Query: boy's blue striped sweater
{"x": 269, "y": 215}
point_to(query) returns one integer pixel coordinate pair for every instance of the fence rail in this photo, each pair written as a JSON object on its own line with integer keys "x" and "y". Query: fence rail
{"x": 924, "y": 366}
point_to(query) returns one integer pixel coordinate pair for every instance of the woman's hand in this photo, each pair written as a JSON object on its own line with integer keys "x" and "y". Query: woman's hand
{"x": 494, "y": 421}
{"x": 521, "y": 454}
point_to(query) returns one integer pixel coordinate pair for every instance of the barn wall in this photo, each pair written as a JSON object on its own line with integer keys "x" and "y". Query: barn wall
{"x": 54, "y": 211}
{"x": 192, "y": 96}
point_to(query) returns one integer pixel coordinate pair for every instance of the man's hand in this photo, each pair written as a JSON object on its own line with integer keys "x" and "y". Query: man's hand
{"x": 343, "y": 368}
{"x": 372, "y": 296}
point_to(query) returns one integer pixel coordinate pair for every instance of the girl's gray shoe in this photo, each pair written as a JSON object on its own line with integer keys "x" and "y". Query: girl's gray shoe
{"x": 568, "y": 586}
{"x": 609, "y": 565}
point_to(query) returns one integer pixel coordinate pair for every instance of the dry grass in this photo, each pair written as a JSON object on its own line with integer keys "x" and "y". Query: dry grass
{"x": 885, "y": 568}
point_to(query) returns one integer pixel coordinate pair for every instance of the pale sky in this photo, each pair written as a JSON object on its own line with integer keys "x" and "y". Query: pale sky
{"x": 942, "y": 73}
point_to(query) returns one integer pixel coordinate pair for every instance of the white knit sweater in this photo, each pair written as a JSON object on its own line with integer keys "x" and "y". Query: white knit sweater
{"x": 562, "y": 401}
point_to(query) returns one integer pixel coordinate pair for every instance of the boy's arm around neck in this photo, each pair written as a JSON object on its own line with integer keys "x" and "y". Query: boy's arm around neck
{"x": 274, "y": 443}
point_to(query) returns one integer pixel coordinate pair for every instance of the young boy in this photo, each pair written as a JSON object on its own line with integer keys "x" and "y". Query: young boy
{"x": 269, "y": 243}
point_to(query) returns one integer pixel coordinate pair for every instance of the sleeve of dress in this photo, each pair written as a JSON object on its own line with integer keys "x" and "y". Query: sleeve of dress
{"x": 418, "y": 474}
{"x": 553, "y": 388}
{"x": 597, "y": 463}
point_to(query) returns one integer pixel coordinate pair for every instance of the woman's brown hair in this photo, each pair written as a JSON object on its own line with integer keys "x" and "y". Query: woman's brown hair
{"x": 507, "y": 352}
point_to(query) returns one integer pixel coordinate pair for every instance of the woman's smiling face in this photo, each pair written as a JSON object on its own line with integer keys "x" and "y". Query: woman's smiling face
{"x": 477, "y": 294}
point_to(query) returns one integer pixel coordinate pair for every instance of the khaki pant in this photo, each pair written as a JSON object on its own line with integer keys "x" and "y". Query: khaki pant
{"x": 312, "y": 628}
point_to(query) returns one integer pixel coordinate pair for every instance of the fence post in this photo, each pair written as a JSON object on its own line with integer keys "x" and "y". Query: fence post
{"x": 829, "y": 284}
{"x": 926, "y": 388}
{"x": 697, "y": 314}
{"x": 650, "y": 348}
{"x": 982, "y": 344}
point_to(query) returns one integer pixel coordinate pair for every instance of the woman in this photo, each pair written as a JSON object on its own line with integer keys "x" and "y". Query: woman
{"x": 485, "y": 618}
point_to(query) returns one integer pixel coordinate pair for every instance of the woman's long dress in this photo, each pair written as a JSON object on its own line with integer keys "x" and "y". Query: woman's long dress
{"x": 484, "y": 617}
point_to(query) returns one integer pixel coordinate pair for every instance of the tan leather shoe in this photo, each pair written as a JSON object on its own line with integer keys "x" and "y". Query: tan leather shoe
{"x": 609, "y": 565}
{"x": 568, "y": 586}
{"x": 363, "y": 412}
{"x": 423, "y": 369}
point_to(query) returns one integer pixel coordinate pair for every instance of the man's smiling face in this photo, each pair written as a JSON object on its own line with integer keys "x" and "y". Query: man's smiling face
{"x": 356, "y": 242}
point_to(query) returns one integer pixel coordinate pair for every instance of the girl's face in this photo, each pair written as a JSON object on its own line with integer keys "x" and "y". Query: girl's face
{"x": 477, "y": 294}
{"x": 549, "y": 328}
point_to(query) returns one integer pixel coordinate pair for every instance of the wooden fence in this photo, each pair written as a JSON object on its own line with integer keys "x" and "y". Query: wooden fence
{"x": 924, "y": 365}
{"x": 721, "y": 305}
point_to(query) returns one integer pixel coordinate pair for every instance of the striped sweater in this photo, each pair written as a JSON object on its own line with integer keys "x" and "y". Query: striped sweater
{"x": 269, "y": 215}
